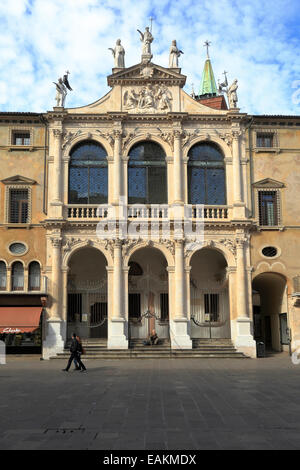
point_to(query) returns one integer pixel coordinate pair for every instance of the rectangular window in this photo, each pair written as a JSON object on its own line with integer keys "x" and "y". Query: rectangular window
{"x": 211, "y": 305}
{"x": 134, "y": 303}
{"x": 265, "y": 140}
{"x": 268, "y": 213}
{"x": 21, "y": 138}
{"x": 18, "y": 206}
{"x": 164, "y": 307}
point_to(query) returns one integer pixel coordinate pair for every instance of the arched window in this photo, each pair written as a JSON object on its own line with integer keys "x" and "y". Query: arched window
{"x": 147, "y": 174}
{"x": 34, "y": 280}
{"x": 2, "y": 275}
{"x": 88, "y": 174}
{"x": 206, "y": 175}
{"x": 17, "y": 276}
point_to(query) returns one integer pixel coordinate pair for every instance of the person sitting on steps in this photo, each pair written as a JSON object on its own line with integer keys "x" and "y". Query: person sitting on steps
{"x": 152, "y": 339}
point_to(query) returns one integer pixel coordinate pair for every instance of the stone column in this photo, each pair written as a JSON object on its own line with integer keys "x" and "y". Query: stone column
{"x": 64, "y": 302}
{"x": 244, "y": 339}
{"x": 56, "y": 202}
{"x": 241, "y": 289}
{"x": 178, "y": 177}
{"x": 54, "y": 342}
{"x": 56, "y": 313}
{"x": 8, "y": 279}
{"x": 117, "y": 338}
{"x": 179, "y": 280}
{"x": 239, "y": 205}
{"x": 117, "y": 166}
{"x": 180, "y": 338}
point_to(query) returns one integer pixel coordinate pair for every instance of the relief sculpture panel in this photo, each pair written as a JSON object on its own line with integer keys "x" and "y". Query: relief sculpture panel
{"x": 148, "y": 99}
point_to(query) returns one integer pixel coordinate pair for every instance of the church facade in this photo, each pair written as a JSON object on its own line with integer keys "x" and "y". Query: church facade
{"x": 161, "y": 211}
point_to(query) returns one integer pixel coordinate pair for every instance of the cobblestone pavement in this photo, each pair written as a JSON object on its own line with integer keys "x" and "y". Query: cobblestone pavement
{"x": 172, "y": 404}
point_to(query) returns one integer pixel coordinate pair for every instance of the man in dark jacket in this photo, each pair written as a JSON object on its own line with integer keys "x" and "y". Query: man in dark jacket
{"x": 75, "y": 348}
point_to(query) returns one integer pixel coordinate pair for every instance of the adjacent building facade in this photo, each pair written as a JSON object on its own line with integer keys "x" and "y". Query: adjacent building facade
{"x": 152, "y": 209}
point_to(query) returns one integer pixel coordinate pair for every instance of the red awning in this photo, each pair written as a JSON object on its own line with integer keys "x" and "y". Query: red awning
{"x": 19, "y": 319}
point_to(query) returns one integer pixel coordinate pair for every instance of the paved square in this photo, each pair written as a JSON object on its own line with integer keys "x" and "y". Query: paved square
{"x": 172, "y": 404}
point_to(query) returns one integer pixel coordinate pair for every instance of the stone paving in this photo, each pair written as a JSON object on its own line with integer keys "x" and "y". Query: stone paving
{"x": 166, "y": 404}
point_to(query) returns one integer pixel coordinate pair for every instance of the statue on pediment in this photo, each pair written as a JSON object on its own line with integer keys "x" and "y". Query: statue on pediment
{"x": 119, "y": 54}
{"x": 175, "y": 53}
{"x": 146, "y": 39}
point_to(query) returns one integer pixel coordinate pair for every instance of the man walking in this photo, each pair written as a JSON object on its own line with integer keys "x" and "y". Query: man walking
{"x": 75, "y": 350}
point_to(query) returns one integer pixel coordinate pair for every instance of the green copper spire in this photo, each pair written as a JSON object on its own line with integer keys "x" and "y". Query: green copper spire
{"x": 208, "y": 82}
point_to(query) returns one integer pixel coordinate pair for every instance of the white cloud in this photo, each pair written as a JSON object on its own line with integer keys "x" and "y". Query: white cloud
{"x": 40, "y": 39}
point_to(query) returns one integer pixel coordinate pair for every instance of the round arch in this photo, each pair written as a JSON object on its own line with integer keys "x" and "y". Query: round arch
{"x": 85, "y": 137}
{"x": 86, "y": 244}
{"x": 214, "y": 245}
{"x": 213, "y": 140}
{"x": 152, "y": 244}
{"x": 270, "y": 309}
{"x": 15, "y": 261}
{"x": 144, "y": 138}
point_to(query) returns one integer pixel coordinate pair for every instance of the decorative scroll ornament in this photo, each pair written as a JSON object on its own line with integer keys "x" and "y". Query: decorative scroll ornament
{"x": 229, "y": 244}
{"x": 169, "y": 244}
{"x": 57, "y": 132}
{"x": 109, "y": 136}
{"x": 148, "y": 99}
{"x": 167, "y": 137}
{"x": 68, "y": 137}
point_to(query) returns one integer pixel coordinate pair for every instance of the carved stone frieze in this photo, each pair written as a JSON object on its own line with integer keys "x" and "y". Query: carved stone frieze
{"x": 148, "y": 99}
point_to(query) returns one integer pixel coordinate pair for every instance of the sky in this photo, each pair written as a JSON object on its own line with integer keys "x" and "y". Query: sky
{"x": 255, "y": 41}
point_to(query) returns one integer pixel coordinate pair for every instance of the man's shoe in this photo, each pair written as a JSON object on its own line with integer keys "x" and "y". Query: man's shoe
{"x": 65, "y": 370}
{"x": 83, "y": 370}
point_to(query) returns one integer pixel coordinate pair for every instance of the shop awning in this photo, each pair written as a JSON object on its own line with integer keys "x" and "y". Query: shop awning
{"x": 19, "y": 319}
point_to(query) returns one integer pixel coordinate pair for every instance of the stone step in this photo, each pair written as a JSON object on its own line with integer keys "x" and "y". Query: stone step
{"x": 155, "y": 354}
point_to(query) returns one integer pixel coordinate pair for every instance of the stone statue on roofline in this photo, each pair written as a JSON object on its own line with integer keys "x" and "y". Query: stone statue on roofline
{"x": 62, "y": 88}
{"x": 232, "y": 94}
{"x": 146, "y": 39}
{"x": 175, "y": 53}
{"x": 119, "y": 55}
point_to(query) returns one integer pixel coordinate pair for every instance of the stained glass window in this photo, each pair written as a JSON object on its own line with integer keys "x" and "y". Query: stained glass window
{"x": 206, "y": 175}
{"x": 88, "y": 174}
{"x": 147, "y": 174}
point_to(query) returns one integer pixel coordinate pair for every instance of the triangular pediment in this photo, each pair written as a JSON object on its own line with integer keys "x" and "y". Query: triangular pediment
{"x": 150, "y": 73}
{"x": 268, "y": 183}
{"x": 17, "y": 179}
{"x": 145, "y": 89}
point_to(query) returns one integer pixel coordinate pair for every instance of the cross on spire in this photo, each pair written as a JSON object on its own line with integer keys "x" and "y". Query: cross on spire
{"x": 207, "y": 45}
{"x": 151, "y": 19}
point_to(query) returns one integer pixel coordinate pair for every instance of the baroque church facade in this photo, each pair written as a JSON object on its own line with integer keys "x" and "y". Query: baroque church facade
{"x": 151, "y": 209}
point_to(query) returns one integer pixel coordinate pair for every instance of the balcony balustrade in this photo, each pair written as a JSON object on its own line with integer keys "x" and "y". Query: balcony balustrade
{"x": 148, "y": 212}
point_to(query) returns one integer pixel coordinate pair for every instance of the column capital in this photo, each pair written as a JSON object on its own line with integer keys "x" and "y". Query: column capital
{"x": 57, "y": 133}
{"x": 179, "y": 243}
{"x": 178, "y": 133}
{"x": 236, "y": 133}
{"x": 56, "y": 242}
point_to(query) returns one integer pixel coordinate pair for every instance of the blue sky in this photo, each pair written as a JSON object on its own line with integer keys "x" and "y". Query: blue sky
{"x": 256, "y": 41}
